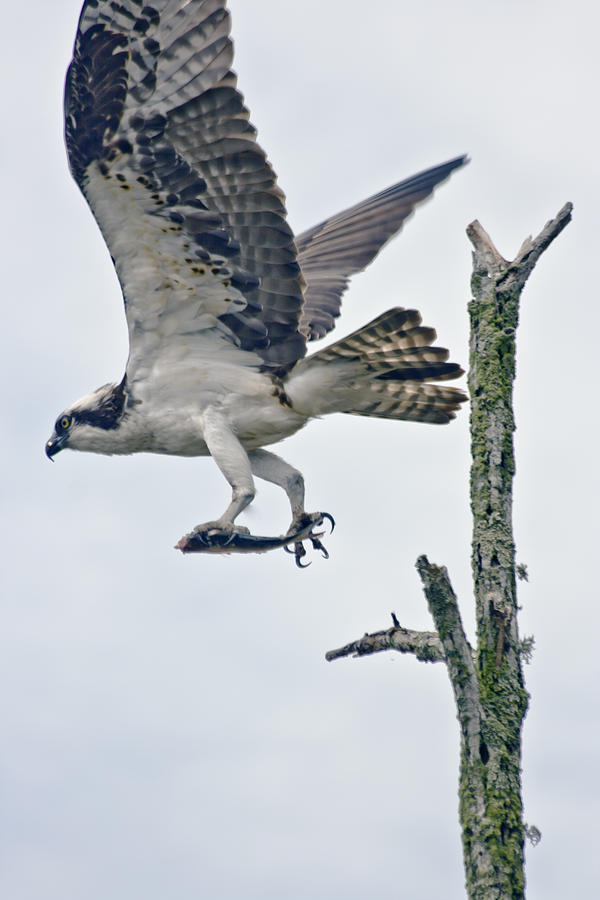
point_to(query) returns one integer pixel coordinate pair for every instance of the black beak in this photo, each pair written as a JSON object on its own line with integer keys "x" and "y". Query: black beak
{"x": 54, "y": 446}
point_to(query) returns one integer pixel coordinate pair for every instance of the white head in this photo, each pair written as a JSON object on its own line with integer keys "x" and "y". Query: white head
{"x": 90, "y": 423}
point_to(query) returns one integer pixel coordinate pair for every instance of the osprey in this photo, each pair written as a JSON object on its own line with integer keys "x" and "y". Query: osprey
{"x": 220, "y": 297}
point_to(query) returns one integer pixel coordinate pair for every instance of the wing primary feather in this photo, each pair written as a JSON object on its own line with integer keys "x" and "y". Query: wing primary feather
{"x": 151, "y": 103}
{"x": 334, "y": 250}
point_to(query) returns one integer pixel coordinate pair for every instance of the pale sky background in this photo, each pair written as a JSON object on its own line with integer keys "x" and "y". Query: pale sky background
{"x": 170, "y": 726}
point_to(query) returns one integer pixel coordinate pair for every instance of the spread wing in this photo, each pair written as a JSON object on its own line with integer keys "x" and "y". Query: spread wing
{"x": 333, "y": 251}
{"x": 160, "y": 143}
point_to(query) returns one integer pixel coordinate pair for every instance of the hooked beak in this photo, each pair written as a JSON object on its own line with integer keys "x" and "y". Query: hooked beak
{"x": 54, "y": 446}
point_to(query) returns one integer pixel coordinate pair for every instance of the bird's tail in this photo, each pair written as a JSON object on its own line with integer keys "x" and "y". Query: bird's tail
{"x": 384, "y": 369}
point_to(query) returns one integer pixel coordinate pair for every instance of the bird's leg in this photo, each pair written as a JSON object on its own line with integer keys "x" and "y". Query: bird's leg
{"x": 272, "y": 468}
{"x": 222, "y": 536}
{"x": 233, "y": 462}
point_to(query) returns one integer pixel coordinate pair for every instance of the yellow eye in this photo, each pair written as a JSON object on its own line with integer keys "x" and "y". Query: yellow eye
{"x": 65, "y": 422}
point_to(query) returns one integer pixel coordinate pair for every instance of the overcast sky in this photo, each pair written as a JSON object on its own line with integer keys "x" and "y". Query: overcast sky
{"x": 170, "y": 726}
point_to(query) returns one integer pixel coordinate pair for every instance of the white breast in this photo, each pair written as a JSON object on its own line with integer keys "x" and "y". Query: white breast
{"x": 172, "y": 401}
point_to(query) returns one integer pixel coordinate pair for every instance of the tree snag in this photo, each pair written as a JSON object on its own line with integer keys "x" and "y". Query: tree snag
{"x": 487, "y": 682}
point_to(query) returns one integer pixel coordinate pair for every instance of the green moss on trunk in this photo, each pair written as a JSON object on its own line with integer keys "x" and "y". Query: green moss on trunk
{"x": 493, "y": 777}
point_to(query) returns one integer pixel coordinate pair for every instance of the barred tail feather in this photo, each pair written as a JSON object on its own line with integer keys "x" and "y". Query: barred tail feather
{"x": 381, "y": 370}
{"x": 408, "y": 400}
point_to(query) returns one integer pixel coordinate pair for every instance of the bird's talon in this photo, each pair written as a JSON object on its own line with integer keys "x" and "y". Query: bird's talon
{"x": 330, "y": 519}
{"x": 299, "y": 553}
{"x": 319, "y": 546}
{"x": 302, "y": 529}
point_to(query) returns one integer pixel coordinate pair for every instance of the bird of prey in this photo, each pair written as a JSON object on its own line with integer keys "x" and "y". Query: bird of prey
{"x": 220, "y": 297}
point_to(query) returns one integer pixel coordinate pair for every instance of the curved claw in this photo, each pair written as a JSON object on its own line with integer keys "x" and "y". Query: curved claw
{"x": 330, "y": 519}
{"x": 299, "y": 553}
{"x": 300, "y": 564}
{"x": 319, "y": 546}
{"x": 302, "y": 529}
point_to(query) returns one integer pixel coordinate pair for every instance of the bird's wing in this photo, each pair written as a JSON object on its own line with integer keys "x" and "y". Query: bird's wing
{"x": 159, "y": 141}
{"x": 331, "y": 252}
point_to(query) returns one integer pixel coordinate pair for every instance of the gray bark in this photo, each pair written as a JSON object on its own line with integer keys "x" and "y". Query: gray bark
{"x": 487, "y": 682}
{"x": 425, "y": 645}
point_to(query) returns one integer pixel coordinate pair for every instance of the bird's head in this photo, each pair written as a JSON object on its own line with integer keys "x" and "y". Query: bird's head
{"x": 90, "y": 423}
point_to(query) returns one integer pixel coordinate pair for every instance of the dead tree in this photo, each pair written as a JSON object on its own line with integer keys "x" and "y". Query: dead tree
{"x": 487, "y": 680}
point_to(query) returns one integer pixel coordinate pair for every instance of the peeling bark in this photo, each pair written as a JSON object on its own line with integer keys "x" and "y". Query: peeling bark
{"x": 487, "y": 682}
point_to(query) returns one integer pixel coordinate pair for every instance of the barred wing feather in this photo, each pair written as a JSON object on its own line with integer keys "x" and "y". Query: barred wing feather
{"x": 160, "y": 143}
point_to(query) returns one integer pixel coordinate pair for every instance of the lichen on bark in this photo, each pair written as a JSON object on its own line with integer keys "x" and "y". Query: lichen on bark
{"x": 487, "y": 682}
{"x": 491, "y": 810}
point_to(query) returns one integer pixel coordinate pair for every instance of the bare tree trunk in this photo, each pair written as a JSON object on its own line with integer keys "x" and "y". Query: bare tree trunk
{"x": 487, "y": 682}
